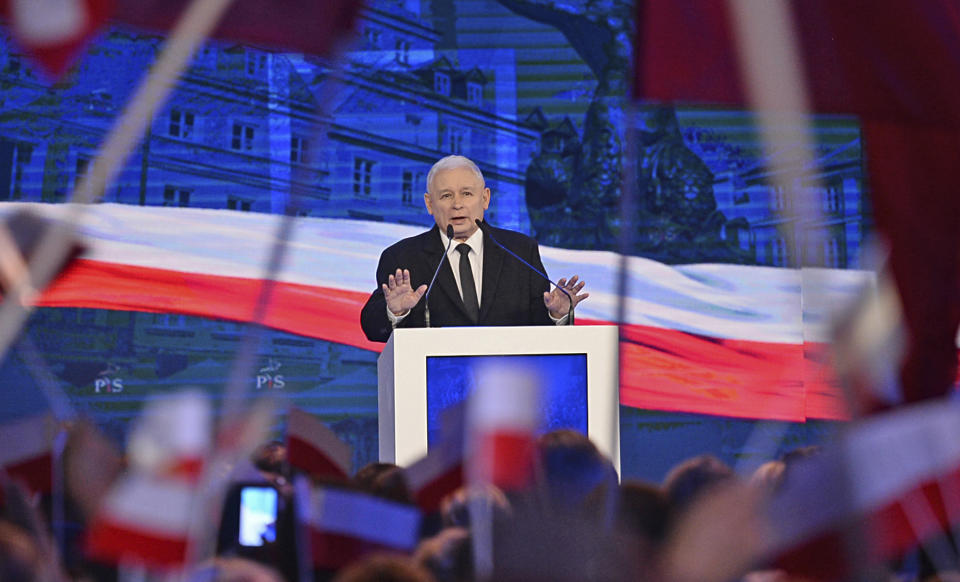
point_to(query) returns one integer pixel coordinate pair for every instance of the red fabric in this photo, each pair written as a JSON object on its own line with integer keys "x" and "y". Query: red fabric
{"x": 111, "y": 543}
{"x": 311, "y": 26}
{"x": 56, "y": 58}
{"x": 336, "y": 551}
{"x": 35, "y": 473}
{"x": 892, "y": 63}
{"x": 509, "y": 457}
{"x": 430, "y": 496}
{"x": 305, "y": 456}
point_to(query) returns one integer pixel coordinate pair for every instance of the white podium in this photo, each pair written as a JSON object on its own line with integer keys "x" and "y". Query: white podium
{"x": 402, "y": 377}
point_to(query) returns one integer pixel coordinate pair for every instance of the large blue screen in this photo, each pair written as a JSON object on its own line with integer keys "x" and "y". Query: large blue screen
{"x": 562, "y": 376}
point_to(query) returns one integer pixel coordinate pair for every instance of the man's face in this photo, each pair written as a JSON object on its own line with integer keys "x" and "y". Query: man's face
{"x": 457, "y": 197}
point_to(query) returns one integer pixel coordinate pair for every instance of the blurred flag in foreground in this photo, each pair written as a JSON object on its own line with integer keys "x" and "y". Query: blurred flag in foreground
{"x": 858, "y": 59}
{"x": 314, "y": 448}
{"x": 55, "y": 32}
{"x": 895, "y": 476}
{"x": 147, "y": 515}
{"x": 343, "y": 526}
{"x": 503, "y": 414}
{"x": 27, "y": 451}
{"x": 440, "y": 472}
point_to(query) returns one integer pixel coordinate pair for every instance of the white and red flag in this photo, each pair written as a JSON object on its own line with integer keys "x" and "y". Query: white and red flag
{"x": 144, "y": 518}
{"x": 147, "y": 516}
{"x": 27, "y": 451}
{"x": 504, "y": 412}
{"x": 344, "y": 526}
{"x": 314, "y": 448}
{"x": 894, "y": 477}
{"x": 440, "y": 472}
{"x": 55, "y": 32}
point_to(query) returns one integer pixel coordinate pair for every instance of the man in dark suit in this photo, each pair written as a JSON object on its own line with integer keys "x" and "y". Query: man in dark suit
{"x": 480, "y": 284}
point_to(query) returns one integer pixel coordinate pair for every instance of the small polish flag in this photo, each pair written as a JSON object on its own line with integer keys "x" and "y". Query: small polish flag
{"x": 435, "y": 476}
{"x": 440, "y": 472}
{"x": 504, "y": 414}
{"x": 143, "y": 518}
{"x": 55, "y": 32}
{"x": 344, "y": 526}
{"x": 27, "y": 451}
{"x": 314, "y": 448}
{"x": 897, "y": 475}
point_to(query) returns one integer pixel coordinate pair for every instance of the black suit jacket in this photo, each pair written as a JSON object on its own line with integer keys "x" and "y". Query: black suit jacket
{"x": 512, "y": 294}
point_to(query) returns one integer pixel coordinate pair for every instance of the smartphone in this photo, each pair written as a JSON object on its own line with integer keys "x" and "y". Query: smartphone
{"x": 258, "y": 516}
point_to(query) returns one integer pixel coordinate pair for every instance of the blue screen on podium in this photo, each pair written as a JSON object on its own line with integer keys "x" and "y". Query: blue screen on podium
{"x": 563, "y": 377}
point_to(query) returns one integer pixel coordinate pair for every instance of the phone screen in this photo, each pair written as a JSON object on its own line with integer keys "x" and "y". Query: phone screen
{"x": 258, "y": 516}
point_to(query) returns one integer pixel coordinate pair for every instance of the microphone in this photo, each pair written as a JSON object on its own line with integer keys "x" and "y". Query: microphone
{"x": 486, "y": 229}
{"x": 426, "y": 296}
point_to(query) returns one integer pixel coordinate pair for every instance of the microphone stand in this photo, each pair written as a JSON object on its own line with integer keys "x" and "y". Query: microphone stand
{"x": 485, "y": 228}
{"x": 426, "y": 296}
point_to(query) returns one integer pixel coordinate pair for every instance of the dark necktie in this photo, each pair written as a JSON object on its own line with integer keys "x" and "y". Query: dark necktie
{"x": 467, "y": 284}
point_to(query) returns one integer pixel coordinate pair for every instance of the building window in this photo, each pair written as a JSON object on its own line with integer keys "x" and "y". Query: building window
{"x": 407, "y": 188}
{"x": 780, "y": 255}
{"x": 83, "y": 162}
{"x": 256, "y": 62}
{"x": 173, "y": 196}
{"x": 234, "y": 203}
{"x": 21, "y": 158}
{"x": 474, "y": 93}
{"x": 454, "y": 140}
{"x": 779, "y": 198}
{"x": 362, "y": 177}
{"x": 372, "y": 36}
{"x": 834, "y": 197}
{"x": 298, "y": 149}
{"x": 831, "y": 253}
{"x": 402, "y": 52}
{"x": 441, "y": 83}
{"x": 242, "y": 137}
{"x": 181, "y": 124}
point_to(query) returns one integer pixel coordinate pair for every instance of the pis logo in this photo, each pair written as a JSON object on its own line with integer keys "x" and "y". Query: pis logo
{"x": 108, "y": 381}
{"x": 269, "y": 377}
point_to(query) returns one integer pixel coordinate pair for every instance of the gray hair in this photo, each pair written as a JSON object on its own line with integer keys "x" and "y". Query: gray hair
{"x": 451, "y": 163}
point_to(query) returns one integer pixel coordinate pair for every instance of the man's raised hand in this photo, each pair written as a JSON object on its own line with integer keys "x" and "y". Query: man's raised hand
{"x": 556, "y": 301}
{"x": 400, "y": 296}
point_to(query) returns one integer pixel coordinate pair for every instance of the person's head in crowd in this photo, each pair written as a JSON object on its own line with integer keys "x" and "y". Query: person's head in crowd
{"x": 234, "y": 569}
{"x": 391, "y": 484}
{"x": 271, "y": 458}
{"x": 365, "y": 478}
{"x": 644, "y": 512}
{"x": 694, "y": 477}
{"x": 448, "y": 556}
{"x": 456, "y": 195}
{"x": 455, "y": 508}
{"x": 769, "y": 476}
{"x": 385, "y": 568}
{"x": 573, "y": 469}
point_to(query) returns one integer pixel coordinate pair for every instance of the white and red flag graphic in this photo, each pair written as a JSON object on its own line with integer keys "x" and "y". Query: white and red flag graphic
{"x": 27, "y": 451}
{"x": 344, "y": 526}
{"x": 314, "y": 448}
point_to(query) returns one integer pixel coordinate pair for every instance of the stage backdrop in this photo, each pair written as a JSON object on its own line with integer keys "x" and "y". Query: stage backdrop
{"x": 717, "y": 333}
